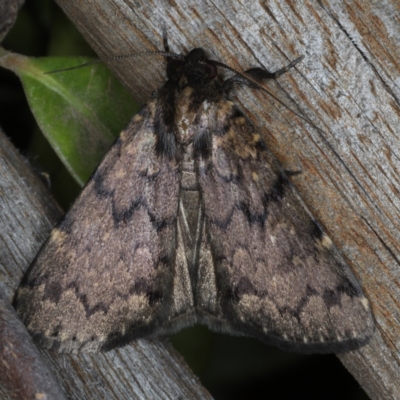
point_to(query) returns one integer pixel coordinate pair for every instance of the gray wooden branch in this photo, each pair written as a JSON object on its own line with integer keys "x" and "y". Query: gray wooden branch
{"x": 27, "y": 214}
{"x": 347, "y": 85}
{"x": 8, "y": 14}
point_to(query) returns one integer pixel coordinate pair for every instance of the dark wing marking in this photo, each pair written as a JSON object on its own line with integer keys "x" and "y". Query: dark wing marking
{"x": 106, "y": 273}
{"x": 278, "y": 276}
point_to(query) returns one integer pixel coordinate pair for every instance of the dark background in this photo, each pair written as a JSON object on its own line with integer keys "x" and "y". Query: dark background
{"x": 229, "y": 367}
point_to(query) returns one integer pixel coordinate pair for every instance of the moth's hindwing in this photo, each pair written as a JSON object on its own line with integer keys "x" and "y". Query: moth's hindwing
{"x": 278, "y": 276}
{"x": 106, "y": 274}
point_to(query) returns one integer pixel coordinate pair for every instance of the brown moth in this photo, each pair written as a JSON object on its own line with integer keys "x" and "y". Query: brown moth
{"x": 190, "y": 219}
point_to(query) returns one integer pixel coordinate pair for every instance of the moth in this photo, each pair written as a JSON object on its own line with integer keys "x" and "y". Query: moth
{"x": 190, "y": 219}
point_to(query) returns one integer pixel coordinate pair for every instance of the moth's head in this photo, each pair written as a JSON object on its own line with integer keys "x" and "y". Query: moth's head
{"x": 197, "y": 70}
{"x": 196, "y": 56}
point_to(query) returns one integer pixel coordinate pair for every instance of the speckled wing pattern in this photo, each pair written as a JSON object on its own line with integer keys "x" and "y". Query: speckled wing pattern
{"x": 189, "y": 218}
{"x": 108, "y": 268}
{"x": 278, "y": 275}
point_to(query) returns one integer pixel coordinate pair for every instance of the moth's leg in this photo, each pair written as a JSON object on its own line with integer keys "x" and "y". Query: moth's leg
{"x": 253, "y": 75}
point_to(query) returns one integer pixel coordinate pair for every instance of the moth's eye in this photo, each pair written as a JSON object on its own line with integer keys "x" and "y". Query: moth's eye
{"x": 154, "y": 94}
{"x": 210, "y": 70}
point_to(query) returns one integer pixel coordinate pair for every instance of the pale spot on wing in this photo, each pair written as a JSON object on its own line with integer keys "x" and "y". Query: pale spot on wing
{"x": 57, "y": 236}
{"x": 240, "y": 121}
{"x": 326, "y": 241}
{"x": 123, "y": 135}
{"x": 48, "y": 332}
{"x": 224, "y": 108}
{"x": 120, "y": 174}
{"x": 273, "y": 239}
{"x": 64, "y": 335}
{"x": 102, "y": 338}
{"x": 231, "y": 134}
{"x": 137, "y": 118}
{"x": 151, "y": 106}
{"x": 255, "y": 176}
{"x": 305, "y": 340}
{"x": 365, "y": 303}
{"x": 206, "y": 105}
{"x": 187, "y": 91}
{"x": 106, "y": 236}
{"x": 297, "y": 261}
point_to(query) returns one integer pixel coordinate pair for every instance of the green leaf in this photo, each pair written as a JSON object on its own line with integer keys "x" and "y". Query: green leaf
{"x": 80, "y": 112}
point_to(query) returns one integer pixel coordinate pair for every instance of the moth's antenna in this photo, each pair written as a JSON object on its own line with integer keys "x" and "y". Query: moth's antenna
{"x": 267, "y": 75}
{"x": 165, "y": 39}
{"x": 131, "y": 55}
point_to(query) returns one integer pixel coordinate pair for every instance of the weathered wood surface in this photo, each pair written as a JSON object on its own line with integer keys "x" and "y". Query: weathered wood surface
{"x": 27, "y": 214}
{"x": 348, "y": 85}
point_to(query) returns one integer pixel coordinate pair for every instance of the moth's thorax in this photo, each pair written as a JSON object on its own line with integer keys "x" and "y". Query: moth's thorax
{"x": 184, "y": 118}
{"x": 196, "y": 110}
